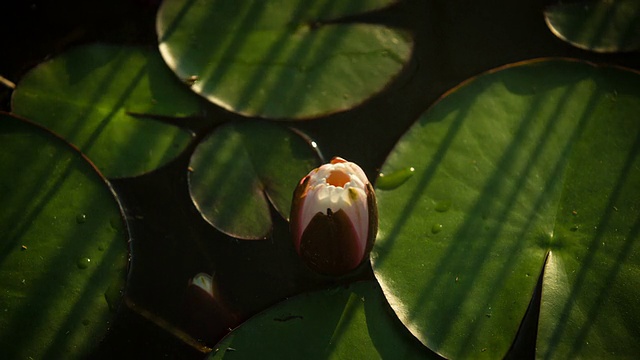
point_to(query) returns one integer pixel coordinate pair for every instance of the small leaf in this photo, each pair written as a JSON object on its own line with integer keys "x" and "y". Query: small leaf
{"x": 533, "y": 159}
{"x": 342, "y": 323}
{"x": 88, "y": 96}
{"x": 597, "y": 25}
{"x": 281, "y": 59}
{"x": 240, "y": 168}
{"x": 63, "y": 248}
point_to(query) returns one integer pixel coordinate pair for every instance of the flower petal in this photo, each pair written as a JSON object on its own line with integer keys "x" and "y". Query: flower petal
{"x": 330, "y": 244}
{"x": 297, "y": 208}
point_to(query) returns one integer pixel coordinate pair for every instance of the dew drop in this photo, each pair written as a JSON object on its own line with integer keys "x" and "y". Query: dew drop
{"x": 395, "y": 179}
{"x": 113, "y": 294}
{"x": 442, "y": 206}
{"x": 574, "y": 228}
{"x": 436, "y": 228}
{"x": 115, "y": 223}
{"x": 83, "y": 263}
{"x": 81, "y": 218}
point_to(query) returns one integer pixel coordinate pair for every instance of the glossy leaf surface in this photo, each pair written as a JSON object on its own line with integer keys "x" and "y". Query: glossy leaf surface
{"x": 240, "y": 168}
{"x": 63, "y": 249}
{"x": 600, "y": 25}
{"x": 339, "y": 323}
{"x": 88, "y": 96}
{"x": 533, "y": 159}
{"x": 281, "y": 59}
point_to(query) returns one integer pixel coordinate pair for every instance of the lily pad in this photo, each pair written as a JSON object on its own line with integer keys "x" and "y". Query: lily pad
{"x": 90, "y": 95}
{"x": 63, "y": 247}
{"x": 242, "y": 167}
{"x": 532, "y": 160}
{"x": 601, "y": 25}
{"x": 342, "y": 323}
{"x": 281, "y": 59}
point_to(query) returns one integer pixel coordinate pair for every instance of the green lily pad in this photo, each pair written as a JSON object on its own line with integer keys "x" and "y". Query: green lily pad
{"x": 90, "y": 95}
{"x": 242, "y": 167}
{"x": 342, "y": 323}
{"x": 600, "y": 25}
{"x": 63, "y": 247}
{"x": 535, "y": 159}
{"x": 281, "y": 59}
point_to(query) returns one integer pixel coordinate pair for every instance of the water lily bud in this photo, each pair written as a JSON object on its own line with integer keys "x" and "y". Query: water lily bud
{"x": 206, "y": 315}
{"x": 334, "y": 217}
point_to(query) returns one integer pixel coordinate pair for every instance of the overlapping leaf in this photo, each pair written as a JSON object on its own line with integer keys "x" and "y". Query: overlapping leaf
{"x": 240, "y": 168}
{"x": 90, "y": 95}
{"x": 281, "y": 59}
{"x": 63, "y": 247}
{"x": 536, "y": 159}
{"x": 332, "y": 324}
{"x": 597, "y": 25}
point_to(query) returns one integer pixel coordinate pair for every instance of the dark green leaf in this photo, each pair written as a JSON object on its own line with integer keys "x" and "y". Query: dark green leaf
{"x": 242, "y": 167}
{"x": 63, "y": 247}
{"x": 341, "y": 323}
{"x": 534, "y": 159}
{"x": 281, "y": 59}
{"x": 597, "y": 25}
{"x": 88, "y": 96}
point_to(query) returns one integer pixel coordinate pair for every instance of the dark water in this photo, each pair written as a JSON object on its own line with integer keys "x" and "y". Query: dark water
{"x": 171, "y": 243}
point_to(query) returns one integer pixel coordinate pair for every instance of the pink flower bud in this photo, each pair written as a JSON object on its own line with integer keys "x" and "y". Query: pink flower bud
{"x": 206, "y": 314}
{"x": 334, "y": 217}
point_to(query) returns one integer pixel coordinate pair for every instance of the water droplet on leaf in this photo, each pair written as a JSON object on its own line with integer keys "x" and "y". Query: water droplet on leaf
{"x": 442, "y": 206}
{"x": 113, "y": 293}
{"x": 81, "y": 218}
{"x": 436, "y": 228}
{"x": 83, "y": 263}
{"x": 395, "y": 179}
{"x": 116, "y": 223}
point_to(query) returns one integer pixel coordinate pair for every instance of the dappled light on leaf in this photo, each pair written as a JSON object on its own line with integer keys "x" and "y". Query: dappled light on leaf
{"x": 597, "y": 25}
{"x": 535, "y": 158}
{"x": 281, "y": 59}
{"x": 97, "y": 97}
{"x": 240, "y": 169}
{"x": 63, "y": 249}
{"x": 331, "y": 324}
